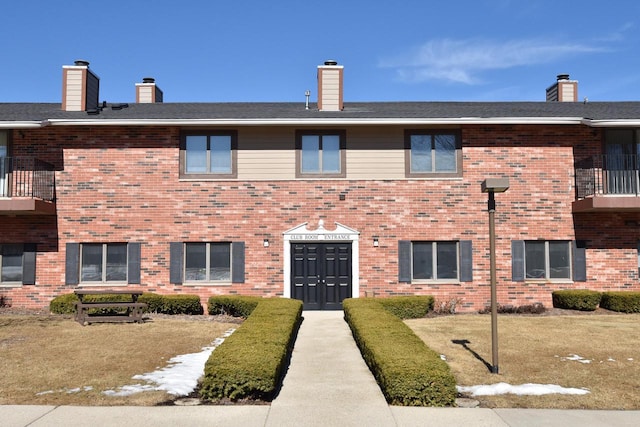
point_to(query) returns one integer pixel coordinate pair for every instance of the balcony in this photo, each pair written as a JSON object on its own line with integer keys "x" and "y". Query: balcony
{"x": 608, "y": 183}
{"x": 27, "y": 186}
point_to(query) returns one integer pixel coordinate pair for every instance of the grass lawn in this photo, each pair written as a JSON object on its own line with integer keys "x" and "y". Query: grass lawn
{"x": 538, "y": 349}
{"x": 55, "y": 354}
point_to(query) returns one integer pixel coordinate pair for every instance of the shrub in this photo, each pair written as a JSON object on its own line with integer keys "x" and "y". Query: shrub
{"x": 181, "y": 304}
{"x": 408, "y": 372}
{"x": 250, "y": 364}
{"x": 576, "y": 299}
{"x": 408, "y": 307}
{"x": 625, "y": 302}
{"x": 535, "y": 308}
{"x": 166, "y": 304}
{"x": 64, "y": 304}
{"x": 232, "y": 305}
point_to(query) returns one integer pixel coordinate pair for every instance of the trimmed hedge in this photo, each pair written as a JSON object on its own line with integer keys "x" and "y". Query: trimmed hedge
{"x": 408, "y": 372}
{"x": 408, "y": 307}
{"x": 233, "y": 305}
{"x": 163, "y": 304}
{"x": 576, "y": 299}
{"x": 250, "y": 364}
{"x": 625, "y": 302}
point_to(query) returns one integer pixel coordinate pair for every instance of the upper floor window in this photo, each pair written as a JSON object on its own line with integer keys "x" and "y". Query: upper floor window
{"x": 17, "y": 264}
{"x": 435, "y": 261}
{"x": 320, "y": 154}
{"x": 548, "y": 260}
{"x": 208, "y": 155}
{"x": 433, "y": 153}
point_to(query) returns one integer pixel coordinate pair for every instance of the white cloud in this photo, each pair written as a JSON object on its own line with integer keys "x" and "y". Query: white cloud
{"x": 462, "y": 61}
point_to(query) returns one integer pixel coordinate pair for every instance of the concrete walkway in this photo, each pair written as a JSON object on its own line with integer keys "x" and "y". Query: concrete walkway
{"x": 328, "y": 384}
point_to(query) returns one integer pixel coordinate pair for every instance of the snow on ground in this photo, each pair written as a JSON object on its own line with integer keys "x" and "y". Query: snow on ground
{"x": 522, "y": 389}
{"x": 575, "y": 358}
{"x": 179, "y": 377}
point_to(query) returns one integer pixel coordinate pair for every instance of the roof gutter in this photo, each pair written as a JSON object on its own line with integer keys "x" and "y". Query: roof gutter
{"x": 612, "y": 123}
{"x": 23, "y": 125}
{"x": 326, "y": 121}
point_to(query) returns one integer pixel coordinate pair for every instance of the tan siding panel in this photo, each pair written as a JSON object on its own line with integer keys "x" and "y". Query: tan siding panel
{"x": 265, "y": 153}
{"x": 375, "y": 153}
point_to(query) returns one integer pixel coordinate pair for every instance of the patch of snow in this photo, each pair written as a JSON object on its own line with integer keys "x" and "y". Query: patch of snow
{"x": 179, "y": 377}
{"x": 522, "y": 389}
{"x": 630, "y": 359}
{"x": 443, "y": 357}
{"x": 576, "y": 358}
{"x": 66, "y": 390}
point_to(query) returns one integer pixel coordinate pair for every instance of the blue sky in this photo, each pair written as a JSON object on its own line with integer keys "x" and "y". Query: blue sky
{"x": 247, "y": 50}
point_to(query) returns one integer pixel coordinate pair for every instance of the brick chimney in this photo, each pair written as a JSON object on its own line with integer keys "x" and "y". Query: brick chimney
{"x": 563, "y": 90}
{"x": 148, "y": 92}
{"x": 330, "y": 86}
{"x": 80, "y": 87}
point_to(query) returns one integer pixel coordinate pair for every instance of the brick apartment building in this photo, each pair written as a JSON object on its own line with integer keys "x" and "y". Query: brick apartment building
{"x": 319, "y": 201}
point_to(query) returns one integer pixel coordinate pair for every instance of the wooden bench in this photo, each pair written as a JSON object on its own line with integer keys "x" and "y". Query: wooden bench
{"x": 133, "y": 313}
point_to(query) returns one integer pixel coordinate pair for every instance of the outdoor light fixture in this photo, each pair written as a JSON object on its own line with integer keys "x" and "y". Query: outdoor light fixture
{"x": 265, "y": 243}
{"x": 375, "y": 242}
{"x": 492, "y": 186}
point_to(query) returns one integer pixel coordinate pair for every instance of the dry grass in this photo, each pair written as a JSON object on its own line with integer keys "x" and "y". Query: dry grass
{"x": 533, "y": 349}
{"x": 54, "y": 353}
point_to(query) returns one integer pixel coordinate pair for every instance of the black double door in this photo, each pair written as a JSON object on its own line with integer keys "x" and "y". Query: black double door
{"x": 321, "y": 274}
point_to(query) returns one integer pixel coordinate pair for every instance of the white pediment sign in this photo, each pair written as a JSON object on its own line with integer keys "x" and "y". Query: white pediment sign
{"x": 302, "y": 233}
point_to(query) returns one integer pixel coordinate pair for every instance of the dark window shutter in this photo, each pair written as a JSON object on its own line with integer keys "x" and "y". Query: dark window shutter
{"x": 237, "y": 262}
{"x": 133, "y": 263}
{"x": 466, "y": 261}
{"x": 579, "y": 261}
{"x": 517, "y": 260}
{"x": 175, "y": 262}
{"x": 29, "y": 264}
{"x": 404, "y": 261}
{"x": 72, "y": 265}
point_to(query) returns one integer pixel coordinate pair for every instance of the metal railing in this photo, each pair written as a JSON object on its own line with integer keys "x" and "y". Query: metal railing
{"x": 27, "y": 177}
{"x": 608, "y": 175}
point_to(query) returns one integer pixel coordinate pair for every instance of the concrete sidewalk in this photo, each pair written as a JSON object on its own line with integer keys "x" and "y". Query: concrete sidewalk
{"x": 327, "y": 384}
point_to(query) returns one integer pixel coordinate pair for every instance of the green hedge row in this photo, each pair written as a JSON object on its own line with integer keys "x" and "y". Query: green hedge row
{"x": 625, "y": 302}
{"x": 408, "y": 307}
{"x": 164, "y": 304}
{"x": 587, "y": 300}
{"x": 232, "y": 305}
{"x": 250, "y": 364}
{"x": 576, "y": 299}
{"x": 408, "y": 372}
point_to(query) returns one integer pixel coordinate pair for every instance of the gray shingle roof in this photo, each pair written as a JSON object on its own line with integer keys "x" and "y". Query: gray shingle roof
{"x": 15, "y": 112}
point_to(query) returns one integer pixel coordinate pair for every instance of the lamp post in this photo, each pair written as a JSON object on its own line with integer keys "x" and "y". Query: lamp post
{"x": 492, "y": 186}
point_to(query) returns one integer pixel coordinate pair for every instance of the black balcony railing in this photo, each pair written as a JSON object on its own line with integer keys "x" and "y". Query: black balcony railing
{"x": 608, "y": 175}
{"x": 26, "y": 177}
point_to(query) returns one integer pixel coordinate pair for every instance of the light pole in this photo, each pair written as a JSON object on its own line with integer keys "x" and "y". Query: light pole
{"x": 492, "y": 186}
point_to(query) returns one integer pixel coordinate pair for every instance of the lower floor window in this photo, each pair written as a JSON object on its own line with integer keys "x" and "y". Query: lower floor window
{"x": 208, "y": 262}
{"x": 103, "y": 262}
{"x": 435, "y": 260}
{"x": 11, "y": 263}
{"x": 547, "y": 259}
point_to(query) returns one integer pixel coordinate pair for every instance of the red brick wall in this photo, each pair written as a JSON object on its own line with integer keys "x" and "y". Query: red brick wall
{"x": 119, "y": 184}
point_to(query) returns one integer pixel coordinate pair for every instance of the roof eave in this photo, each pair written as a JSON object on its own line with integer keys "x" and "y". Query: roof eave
{"x": 22, "y": 124}
{"x": 317, "y": 122}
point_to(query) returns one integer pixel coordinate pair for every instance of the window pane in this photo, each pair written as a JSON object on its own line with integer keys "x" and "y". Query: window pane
{"x": 447, "y": 258}
{"x": 91, "y": 269}
{"x": 220, "y": 261}
{"x": 421, "y": 153}
{"x": 196, "y": 155}
{"x": 11, "y": 264}
{"x": 195, "y": 261}
{"x": 117, "y": 262}
{"x": 220, "y": 153}
{"x": 445, "y": 148}
{"x": 534, "y": 260}
{"x": 422, "y": 260}
{"x": 331, "y": 153}
{"x": 559, "y": 260}
{"x": 310, "y": 153}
